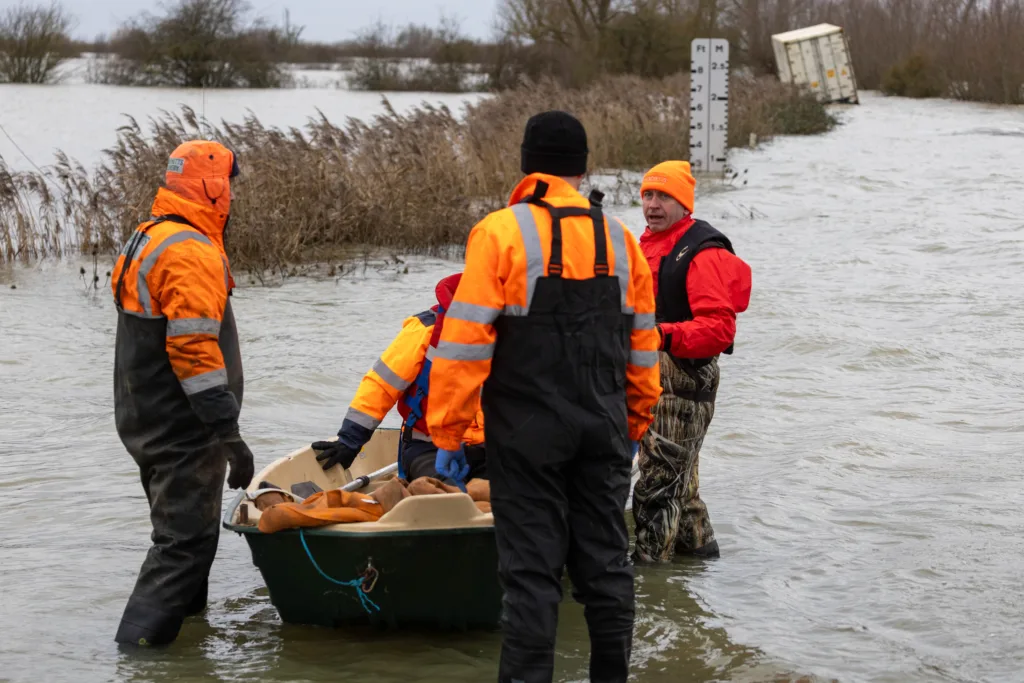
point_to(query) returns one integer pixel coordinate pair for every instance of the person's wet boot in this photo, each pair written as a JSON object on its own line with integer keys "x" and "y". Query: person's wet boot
{"x": 184, "y": 491}
{"x": 144, "y": 625}
{"x": 609, "y": 658}
{"x": 526, "y": 666}
{"x": 198, "y": 603}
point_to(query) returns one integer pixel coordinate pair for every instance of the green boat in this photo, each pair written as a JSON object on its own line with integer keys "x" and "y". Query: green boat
{"x": 429, "y": 562}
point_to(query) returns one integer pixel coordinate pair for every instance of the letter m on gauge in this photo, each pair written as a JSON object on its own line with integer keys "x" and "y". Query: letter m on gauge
{"x": 709, "y": 104}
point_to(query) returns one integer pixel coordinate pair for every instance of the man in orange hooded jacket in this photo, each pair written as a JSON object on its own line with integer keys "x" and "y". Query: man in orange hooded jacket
{"x": 700, "y": 285}
{"x": 402, "y": 376}
{"x": 178, "y": 384}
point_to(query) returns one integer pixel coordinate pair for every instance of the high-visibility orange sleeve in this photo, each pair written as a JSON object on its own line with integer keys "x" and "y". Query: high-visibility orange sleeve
{"x": 385, "y": 382}
{"x": 189, "y": 281}
{"x": 463, "y": 359}
{"x": 643, "y": 376}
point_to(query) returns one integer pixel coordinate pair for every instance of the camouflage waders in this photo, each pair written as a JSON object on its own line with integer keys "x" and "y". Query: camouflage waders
{"x": 670, "y": 516}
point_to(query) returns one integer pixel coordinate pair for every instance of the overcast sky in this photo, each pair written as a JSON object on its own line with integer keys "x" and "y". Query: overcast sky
{"x": 325, "y": 20}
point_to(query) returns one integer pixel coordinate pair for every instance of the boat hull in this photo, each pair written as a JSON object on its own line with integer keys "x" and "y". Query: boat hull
{"x": 434, "y": 578}
{"x": 431, "y": 561}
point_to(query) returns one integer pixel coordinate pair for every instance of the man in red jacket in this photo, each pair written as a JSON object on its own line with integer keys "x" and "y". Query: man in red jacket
{"x": 699, "y": 285}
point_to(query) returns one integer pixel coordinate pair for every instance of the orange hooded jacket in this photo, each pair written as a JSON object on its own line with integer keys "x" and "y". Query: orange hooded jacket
{"x": 496, "y": 279}
{"x": 178, "y": 375}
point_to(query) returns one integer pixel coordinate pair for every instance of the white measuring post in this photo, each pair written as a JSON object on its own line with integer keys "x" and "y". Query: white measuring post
{"x": 709, "y": 104}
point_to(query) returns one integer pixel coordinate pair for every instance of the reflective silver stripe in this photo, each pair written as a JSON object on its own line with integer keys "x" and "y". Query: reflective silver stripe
{"x": 643, "y": 359}
{"x": 473, "y": 313}
{"x": 137, "y": 314}
{"x": 534, "y": 252}
{"x": 141, "y": 238}
{"x": 193, "y": 326}
{"x": 150, "y": 261}
{"x": 207, "y": 380}
{"x": 643, "y": 321}
{"x": 417, "y": 435}
{"x": 617, "y": 232}
{"x": 362, "y": 419}
{"x": 390, "y": 376}
{"x": 431, "y": 352}
{"x": 516, "y": 310}
{"x": 456, "y": 351}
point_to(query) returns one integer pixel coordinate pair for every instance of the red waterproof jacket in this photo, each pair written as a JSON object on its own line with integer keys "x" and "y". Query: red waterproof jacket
{"x": 718, "y": 286}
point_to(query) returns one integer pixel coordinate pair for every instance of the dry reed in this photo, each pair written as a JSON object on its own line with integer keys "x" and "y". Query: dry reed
{"x": 413, "y": 182}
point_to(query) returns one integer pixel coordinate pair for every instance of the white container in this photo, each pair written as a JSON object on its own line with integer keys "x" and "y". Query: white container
{"x": 819, "y": 58}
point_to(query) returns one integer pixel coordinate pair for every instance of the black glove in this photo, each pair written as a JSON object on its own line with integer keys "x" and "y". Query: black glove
{"x": 240, "y": 458}
{"x": 334, "y": 453}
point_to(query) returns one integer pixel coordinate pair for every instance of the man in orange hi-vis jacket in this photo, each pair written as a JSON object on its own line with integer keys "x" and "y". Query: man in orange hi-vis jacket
{"x": 178, "y": 385}
{"x": 554, "y": 317}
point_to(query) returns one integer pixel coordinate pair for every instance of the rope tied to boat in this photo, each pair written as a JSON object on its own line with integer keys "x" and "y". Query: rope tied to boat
{"x": 364, "y": 599}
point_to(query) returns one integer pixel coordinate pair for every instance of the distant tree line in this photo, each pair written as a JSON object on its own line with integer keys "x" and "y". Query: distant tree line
{"x": 197, "y": 43}
{"x": 971, "y": 49}
{"x": 34, "y": 40}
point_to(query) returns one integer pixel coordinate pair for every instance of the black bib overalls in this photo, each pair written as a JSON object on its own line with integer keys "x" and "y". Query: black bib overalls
{"x": 558, "y": 457}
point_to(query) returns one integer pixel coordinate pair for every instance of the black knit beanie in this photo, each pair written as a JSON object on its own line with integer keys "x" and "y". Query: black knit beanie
{"x": 554, "y": 143}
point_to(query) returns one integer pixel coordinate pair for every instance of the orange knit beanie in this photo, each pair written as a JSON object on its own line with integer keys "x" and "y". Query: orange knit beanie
{"x": 674, "y": 179}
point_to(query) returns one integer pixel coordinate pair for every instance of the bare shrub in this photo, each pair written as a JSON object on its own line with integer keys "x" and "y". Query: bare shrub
{"x": 917, "y": 76}
{"x": 416, "y": 58}
{"x": 33, "y": 42}
{"x": 198, "y": 43}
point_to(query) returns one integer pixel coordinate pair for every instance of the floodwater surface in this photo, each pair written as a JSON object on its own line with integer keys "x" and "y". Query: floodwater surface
{"x": 863, "y": 469}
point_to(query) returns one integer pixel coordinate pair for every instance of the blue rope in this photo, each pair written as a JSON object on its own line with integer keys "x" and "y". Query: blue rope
{"x": 364, "y": 599}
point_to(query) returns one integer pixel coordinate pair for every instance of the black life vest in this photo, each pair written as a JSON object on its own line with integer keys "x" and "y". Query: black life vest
{"x": 673, "y": 301}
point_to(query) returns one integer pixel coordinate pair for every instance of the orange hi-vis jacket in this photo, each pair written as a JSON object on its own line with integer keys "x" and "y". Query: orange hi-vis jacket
{"x": 178, "y": 375}
{"x": 392, "y": 379}
{"x": 505, "y": 255}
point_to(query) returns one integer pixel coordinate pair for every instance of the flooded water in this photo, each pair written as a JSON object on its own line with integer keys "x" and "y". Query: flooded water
{"x": 863, "y": 470}
{"x": 36, "y": 117}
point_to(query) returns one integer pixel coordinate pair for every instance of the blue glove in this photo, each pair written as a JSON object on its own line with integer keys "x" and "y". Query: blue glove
{"x": 452, "y": 464}
{"x": 635, "y": 446}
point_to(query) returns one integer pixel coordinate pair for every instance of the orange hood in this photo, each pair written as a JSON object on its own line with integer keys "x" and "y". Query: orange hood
{"x": 205, "y": 219}
{"x": 198, "y": 187}
{"x": 201, "y": 171}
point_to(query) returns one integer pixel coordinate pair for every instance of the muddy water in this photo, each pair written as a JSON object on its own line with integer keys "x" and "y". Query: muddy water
{"x": 863, "y": 470}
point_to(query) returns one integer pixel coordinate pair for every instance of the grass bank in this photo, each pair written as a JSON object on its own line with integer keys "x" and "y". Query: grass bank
{"x": 413, "y": 182}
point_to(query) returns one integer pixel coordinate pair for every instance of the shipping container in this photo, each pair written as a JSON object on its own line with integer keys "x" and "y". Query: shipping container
{"x": 819, "y": 58}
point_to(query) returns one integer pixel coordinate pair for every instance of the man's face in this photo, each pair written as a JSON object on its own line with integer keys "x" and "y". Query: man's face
{"x": 662, "y": 211}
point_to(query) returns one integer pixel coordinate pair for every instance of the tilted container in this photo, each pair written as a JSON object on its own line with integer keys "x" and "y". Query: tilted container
{"x": 819, "y": 58}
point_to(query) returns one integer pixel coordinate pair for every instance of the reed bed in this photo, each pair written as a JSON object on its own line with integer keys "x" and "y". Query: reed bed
{"x": 414, "y": 182}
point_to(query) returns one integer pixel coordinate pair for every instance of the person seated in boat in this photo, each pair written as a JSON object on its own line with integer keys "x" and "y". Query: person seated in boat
{"x": 401, "y": 376}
